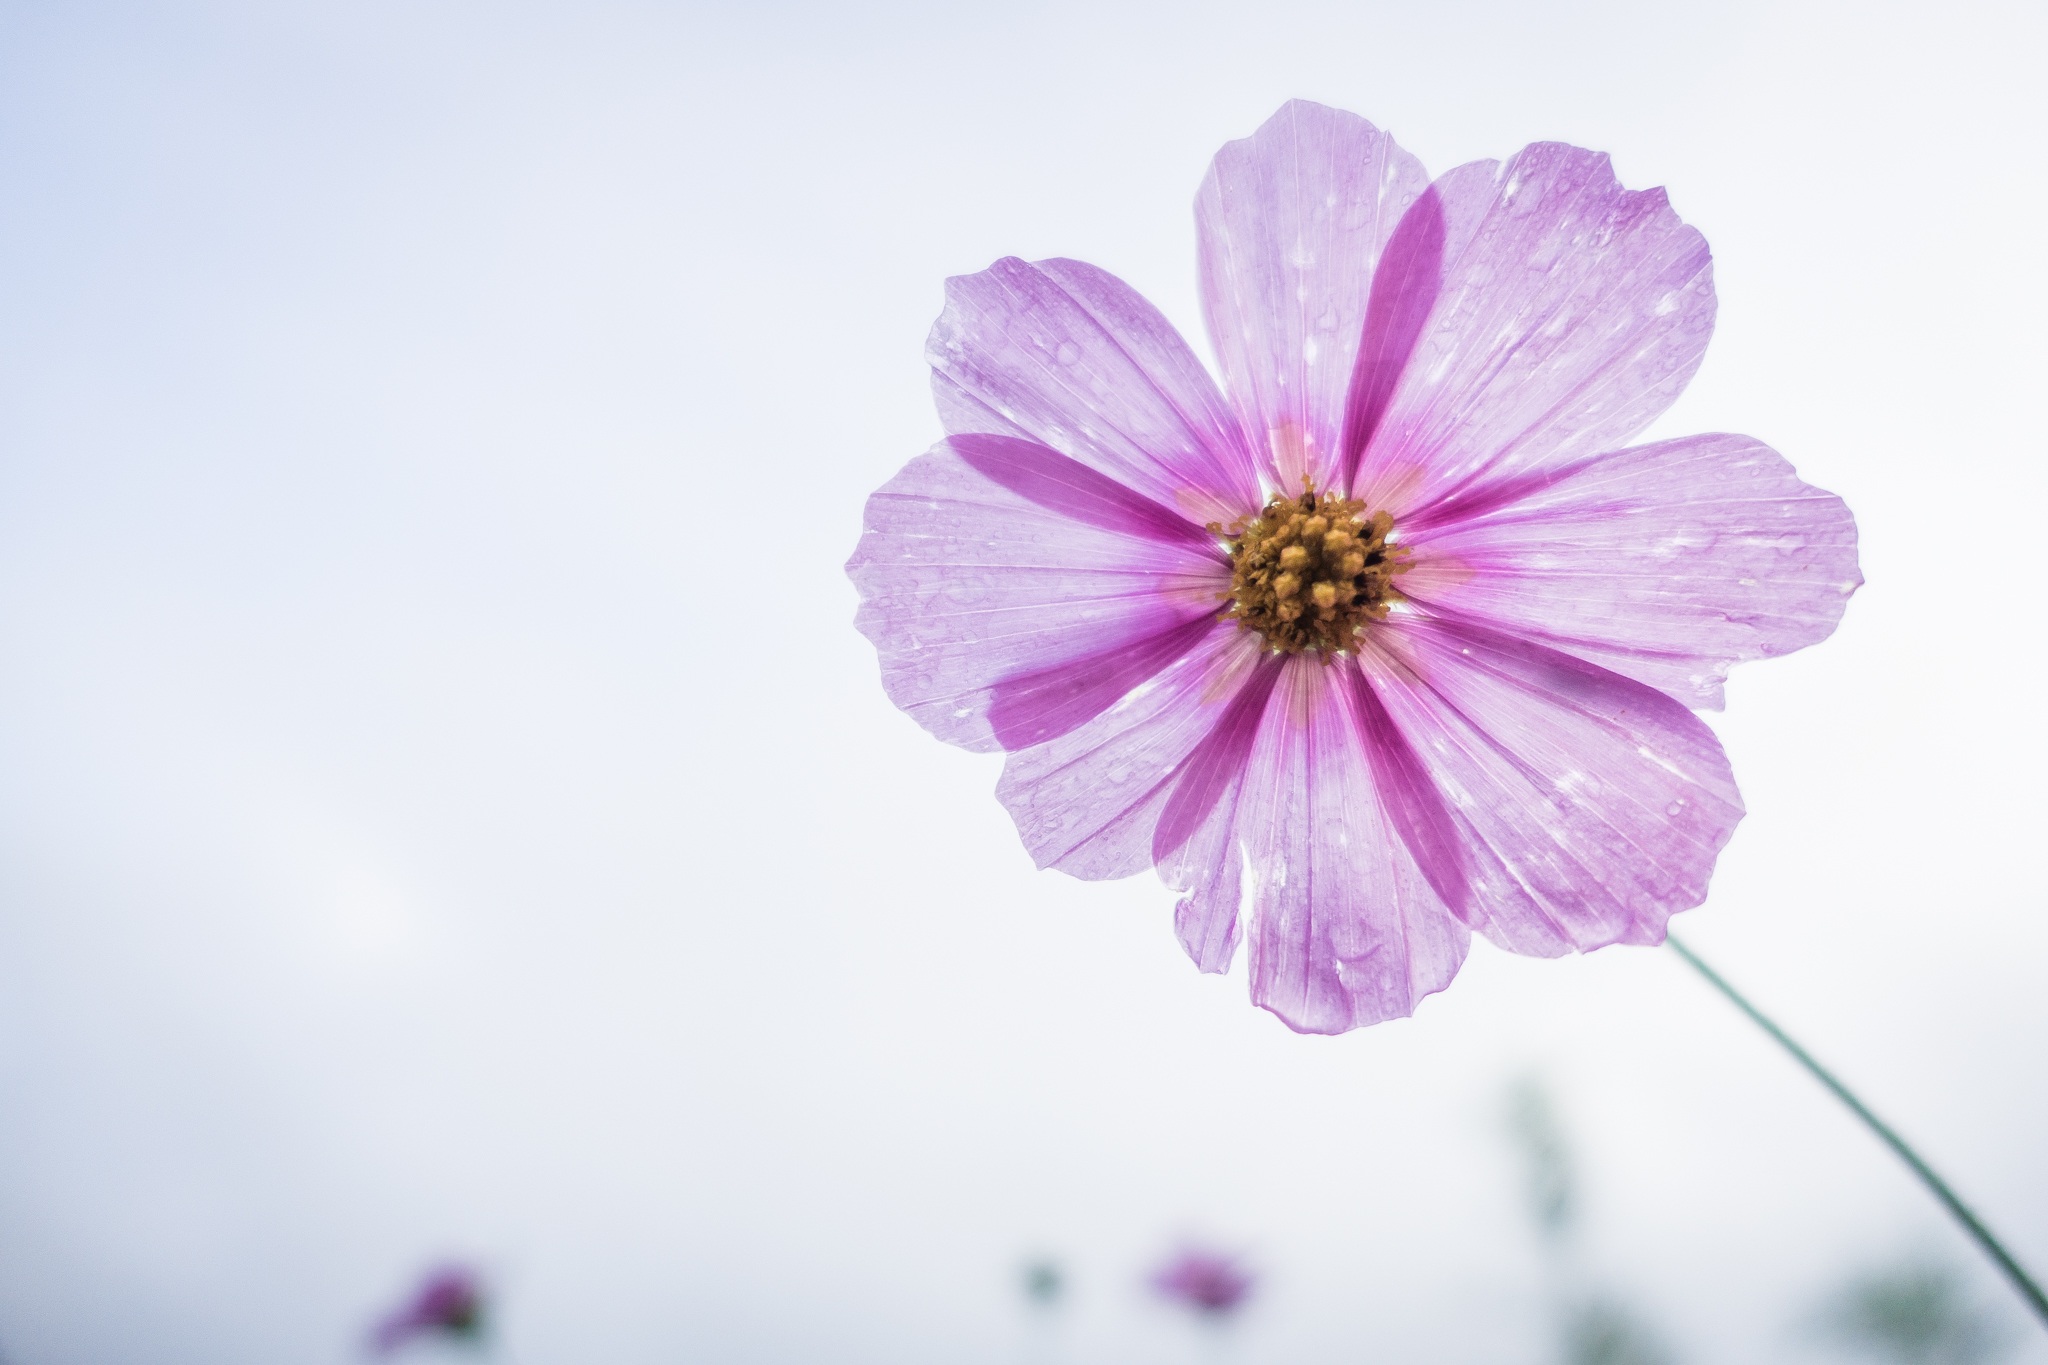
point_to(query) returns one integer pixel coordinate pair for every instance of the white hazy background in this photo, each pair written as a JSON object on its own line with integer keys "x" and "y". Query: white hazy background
{"x": 445, "y": 808}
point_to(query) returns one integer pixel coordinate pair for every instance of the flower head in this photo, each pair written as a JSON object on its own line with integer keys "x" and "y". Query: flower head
{"x": 1211, "y": 1284}
{"x": 449, "y": 1302}
{"x": 1393, "y": 636}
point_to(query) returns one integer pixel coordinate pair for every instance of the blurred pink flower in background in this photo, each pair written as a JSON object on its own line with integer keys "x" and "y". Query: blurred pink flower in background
{"x": 1212, "y": 1284}
{"x": 449, "y": 1302}
{"x": 1391, "y": 638}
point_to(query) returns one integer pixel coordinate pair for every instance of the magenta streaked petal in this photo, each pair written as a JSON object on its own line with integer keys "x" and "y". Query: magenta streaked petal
{"x": 1032, "y": 708}
{"x": 1591, "y": 807}
{"x": 1405, "y": 286}
{"x": 1570, "y": 313}
{"x": 1088, "y": 801}
{"x": 1058, "y": 484}
{"x": 1668, "y": 563}
{"x": 966, "y": 583}
{"x": 1415, "y": 806}
{"x": 1069, "y": 356}
{"x": 1346, "y": 930}
{"x": 1194, "y": 845}
{"x": 1217, "y": 762}
{"x": 1289, "y": 225}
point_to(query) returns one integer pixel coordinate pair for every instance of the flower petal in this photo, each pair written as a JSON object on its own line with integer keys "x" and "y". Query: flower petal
{"x": 1073, "y": 358}
{"x": 1590, "y": 807}
{"x": 1194, "y": 846}
{"x": 1289, "y": 225}
{"x": 1032, "y": 708}
{"x": 1052, "y": 481}
{"x": 1668, "y": 563}
{"x": 1009, "y": 590}
{"x": 1346, "y": 930}
{"x": 1568, "y": 314}
{"x": 1242, "y": 774}
{"x": 1089, "y": 801}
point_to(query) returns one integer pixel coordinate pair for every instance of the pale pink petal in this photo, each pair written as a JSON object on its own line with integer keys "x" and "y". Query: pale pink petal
{"x": 1206, "y": 776}
{"x": 1567, "y": 314}
{"x": 1346, "y": 930}
{"x": 1032, "y": 708}
{"x": 1195, "y": 844}
{"x": 1013, "y": 592}
{"x": 1209, "y": 870}
{"x": 1589, "y": 807}
{"x": 1089, "y": 801}
{"x": 1289, "y": 225}
{"x": 1416, "y": 809}
{"x": 1071, "y": 357}
{"x": 1405, "y": 287}
{"x": 1668, "y": 563}
{"x": 1248, "y": 780}
{"x": 1051, "y": 480}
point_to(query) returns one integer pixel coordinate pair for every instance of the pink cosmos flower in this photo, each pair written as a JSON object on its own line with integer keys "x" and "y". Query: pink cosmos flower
{"x": 1392, "y": 637}
{"x": 448, "y": 1302}
{"x": 1214, "y": 1285}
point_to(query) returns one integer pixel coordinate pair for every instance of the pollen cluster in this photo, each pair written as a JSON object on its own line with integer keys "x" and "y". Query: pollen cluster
{"x": 1307, "y": 572}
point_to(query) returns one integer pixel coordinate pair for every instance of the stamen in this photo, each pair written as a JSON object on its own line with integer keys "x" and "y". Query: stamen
{"x": 1308, "y": 572}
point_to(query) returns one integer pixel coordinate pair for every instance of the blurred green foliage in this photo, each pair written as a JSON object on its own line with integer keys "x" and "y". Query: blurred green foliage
{"x": 1548, "y": 1168}
{"x": 1604, "y": 1332}
{"x": 1915, "y": 1314}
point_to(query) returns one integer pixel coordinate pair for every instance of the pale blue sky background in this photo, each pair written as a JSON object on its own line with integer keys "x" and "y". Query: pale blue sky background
{"x": 445, "y": 808}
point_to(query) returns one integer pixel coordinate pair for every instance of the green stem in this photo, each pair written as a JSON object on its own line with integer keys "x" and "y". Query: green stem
{"x": 2023, "y": 1282}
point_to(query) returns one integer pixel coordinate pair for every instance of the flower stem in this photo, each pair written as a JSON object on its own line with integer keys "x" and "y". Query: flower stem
{"x": 2023, "y": 1282}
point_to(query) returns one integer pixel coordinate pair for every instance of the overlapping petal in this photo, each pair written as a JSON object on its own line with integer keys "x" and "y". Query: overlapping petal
{"x": 1668, "y": 563}
{"x": 1345, "y": 930}
{"x": 1567, "y": 313}
{"x": 1233, "y": 759}
{"x": 1290, "y": 223}
{"x": 1071, "y": 357}
{"x": 1089, "y": 802}
{"x": 1589, "y": 808}
{"x": 1013, "y": 593}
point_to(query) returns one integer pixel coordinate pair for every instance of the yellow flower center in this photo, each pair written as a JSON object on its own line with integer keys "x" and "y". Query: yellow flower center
{"x": 1307, "y": 572}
